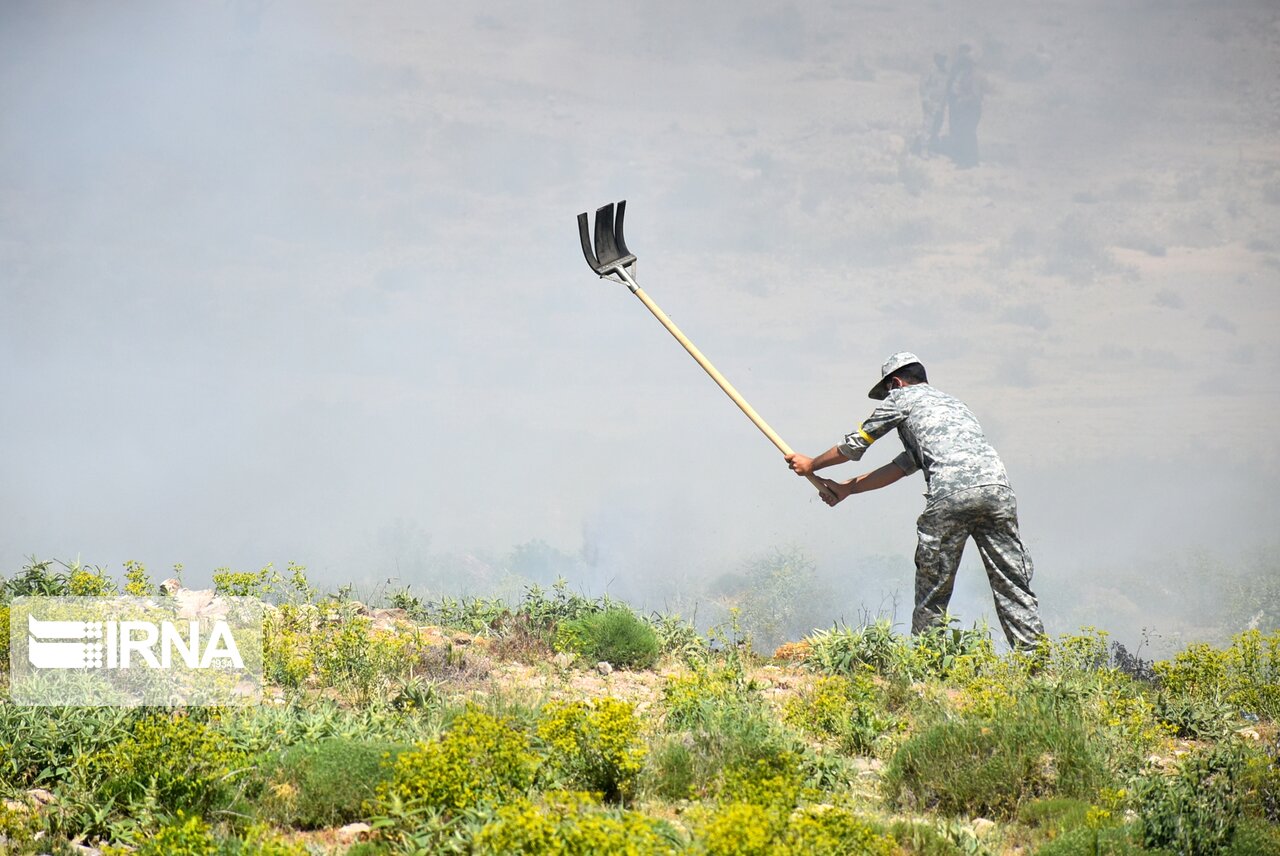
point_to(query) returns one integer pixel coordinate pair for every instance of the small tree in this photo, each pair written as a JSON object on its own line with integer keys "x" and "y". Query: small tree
{"x": 778, "y": 595}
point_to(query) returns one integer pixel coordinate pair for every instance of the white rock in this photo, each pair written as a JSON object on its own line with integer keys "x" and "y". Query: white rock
{"x": 199, "y": 603}
{"x": 387, "y": 619}
{"x": 983, "y": 827}
{"x": 41, "y": 796}
{"x": 604, "y": 668}
{"x": 353, "y": 832}
{"x": 868, "y": 767}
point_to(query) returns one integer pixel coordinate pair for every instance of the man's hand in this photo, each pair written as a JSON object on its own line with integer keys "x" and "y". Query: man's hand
{"x": 839, "y": 490}
{"x": 799, "y": 464}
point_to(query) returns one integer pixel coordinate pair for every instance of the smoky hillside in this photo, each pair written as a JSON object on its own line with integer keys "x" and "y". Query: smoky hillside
{"x": 299, "y": 282}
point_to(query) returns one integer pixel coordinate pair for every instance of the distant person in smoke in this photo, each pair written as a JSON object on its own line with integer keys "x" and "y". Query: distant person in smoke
{"x": 933, "y": 104}
{"x": 967, "y": 495}
{"x": 964, "y": 109}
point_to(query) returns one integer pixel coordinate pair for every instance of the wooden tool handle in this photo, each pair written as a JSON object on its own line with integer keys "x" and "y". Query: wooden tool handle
{"x": 718, "y": 378}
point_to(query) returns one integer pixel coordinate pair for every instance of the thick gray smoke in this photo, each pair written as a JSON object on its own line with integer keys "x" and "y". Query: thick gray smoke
{"x": 299, "y": 281}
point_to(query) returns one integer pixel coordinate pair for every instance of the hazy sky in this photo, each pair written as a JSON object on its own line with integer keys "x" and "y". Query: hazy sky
{"x": 280, "y": 278}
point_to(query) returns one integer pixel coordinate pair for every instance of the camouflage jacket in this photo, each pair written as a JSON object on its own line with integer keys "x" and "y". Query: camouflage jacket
{"x": 933, "y": 90}
{"x": 941, "y": 436}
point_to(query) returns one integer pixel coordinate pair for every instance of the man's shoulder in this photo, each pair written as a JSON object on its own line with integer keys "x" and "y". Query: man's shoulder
{"x": 922, "y": 392}
{"x": 924, "y": 398}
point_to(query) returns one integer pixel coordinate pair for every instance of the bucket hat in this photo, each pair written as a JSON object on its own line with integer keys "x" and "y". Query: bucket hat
{"x": 903, "y": 358}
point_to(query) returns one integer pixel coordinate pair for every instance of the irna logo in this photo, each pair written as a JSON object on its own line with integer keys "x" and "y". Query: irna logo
{"x": 123, "y": 644}
{"x": 189, "y": 648}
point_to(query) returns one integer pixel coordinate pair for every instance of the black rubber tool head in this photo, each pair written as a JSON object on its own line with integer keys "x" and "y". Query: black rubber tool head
{"x": 610, "y": 249}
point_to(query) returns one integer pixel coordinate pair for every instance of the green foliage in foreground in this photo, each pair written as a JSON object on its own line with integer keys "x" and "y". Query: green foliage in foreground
{"x": 573, "y": 822}
{"x": 166, "y": 760}
{"x": 975, "y": 766}
{"x": 595, "y": 746}
{"x": 936, "y": 653}
{"x": 479, "y": 760}
{"x": 616, "y": 636}
{"x": 879, "y": 744}
{"x": 1245, "y": 675}
{"x": 326, "y": 783}
{"x": 1198, "y": 809}
{"x": 846, "y": 710}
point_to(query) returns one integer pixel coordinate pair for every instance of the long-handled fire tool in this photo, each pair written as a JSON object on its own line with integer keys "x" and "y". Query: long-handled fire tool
{"x": 611, "y": 259}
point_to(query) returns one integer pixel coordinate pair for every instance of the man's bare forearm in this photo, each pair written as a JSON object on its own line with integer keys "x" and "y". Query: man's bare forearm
{"x": 876, "y": 479}
{"x": 804, "y": 466}
{"x": 829, "y": 458}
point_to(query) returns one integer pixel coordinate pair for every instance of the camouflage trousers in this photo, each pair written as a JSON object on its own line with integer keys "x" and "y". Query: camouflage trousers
{"x": 990, "y": 515}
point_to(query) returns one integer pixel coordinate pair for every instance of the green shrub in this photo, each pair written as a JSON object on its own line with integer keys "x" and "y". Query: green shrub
{"x": 539, "y": 611}
{"x": 823, "y": 830}
{"x": 169, "y": 761}
{"x": 260, "y": 840}
{"x": 1194, "y": 717}
{"x": 923, "y": 839}
{"x": 773, "y": 782}
{"x": 945, "y": 648}
{"x": 4, "y": 638}
{"x": 184, "y": 836}
{"x": 1084, "y": 841}
{"x": 704, "y": 695}
{"x": 670, "y": 773}
{"x": 737, "y": 829}
{"x": 843, "y": 709}
{"x": 137, "y": 580}
{"x": 750, "y": 829}
{"x": 1055, "y": 815}
{"x": 1260, "y": 785}
{"x": 971, "y": 766}
{"x": 332, "y": 645}
{"x": 1254, "y": 838}
{"x": 1245, "y": 675}
{"x": 1077, "y": 828}
{"x": 38, "y": 745}
{"x": 88, "y": 581}
{"x": 847, "y": 651}
{"x": 1128, "y": 721}
{"x": 36, "y": 579}
{"x": 19, "y": 826}
{"x": 594, "y": 746}
{"x": 261, "y": 583}
{"x": 754, "y": 800}
{"x": 678, "y": 637}
{"x": 935, "y": 653}
{"x": 572, "y": 823}
{"x": 479, "y": 759}
{"x": 1195, "y": 811}
{"x": 1086, "y": 652}
{"x": 722, "y": 720}
{"x": 616, "y": 636}
{"x": 326, "y": 782}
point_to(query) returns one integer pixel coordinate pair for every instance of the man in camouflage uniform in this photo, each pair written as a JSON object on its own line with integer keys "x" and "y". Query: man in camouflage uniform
{"x": 964, "y": 109}
{"x": 967, "y": 494}
{"x": 933, "y": 104}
